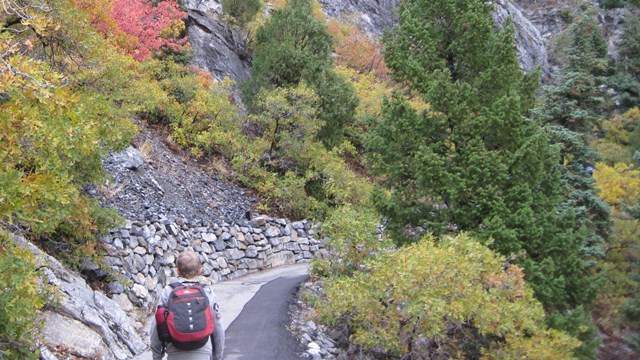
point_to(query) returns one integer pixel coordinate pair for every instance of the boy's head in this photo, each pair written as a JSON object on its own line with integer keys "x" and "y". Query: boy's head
{"x": 189, "y": 264}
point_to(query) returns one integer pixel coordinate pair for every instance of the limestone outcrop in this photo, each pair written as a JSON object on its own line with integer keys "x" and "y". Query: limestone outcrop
{"x": 80, "y": 321}
{"x": 530, "y": 45}
{"x": 218, "y": 48}
{"x": 375, "y": 16}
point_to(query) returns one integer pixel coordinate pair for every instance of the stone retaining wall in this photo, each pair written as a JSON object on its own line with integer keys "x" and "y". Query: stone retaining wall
{"x": 144, "y": 253}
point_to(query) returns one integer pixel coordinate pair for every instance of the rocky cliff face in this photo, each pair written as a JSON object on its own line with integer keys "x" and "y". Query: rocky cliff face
{"x": 530, "y": 45}
{"x": 377, "y": 15}
{"x": 83, "y": 323}
{"x": 551, "y": 18}
{"x": 218, "y": 48}
{"x": 223, "y": 51}
{"x": 373, "y": 15}
{"x": 612, "y": 22}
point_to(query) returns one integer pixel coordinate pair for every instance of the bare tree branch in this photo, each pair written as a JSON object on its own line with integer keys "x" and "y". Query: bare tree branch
{"x": 18, "y": 13}
{"x": 23, "y": 75}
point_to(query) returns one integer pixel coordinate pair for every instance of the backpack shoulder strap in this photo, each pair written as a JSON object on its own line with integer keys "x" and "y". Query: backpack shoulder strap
{"x": 202, "y": 288}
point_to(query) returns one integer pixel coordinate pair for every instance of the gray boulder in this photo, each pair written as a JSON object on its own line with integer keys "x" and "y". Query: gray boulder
{"x": 130, "y": 158}
{"x": 84, "y": 322}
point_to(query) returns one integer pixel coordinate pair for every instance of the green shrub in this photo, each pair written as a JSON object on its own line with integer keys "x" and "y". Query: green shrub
{"x": 242, "y": 11}
{"x": 327, "y": 183}
{"x": 51, "y": 148}
{"x": 21, "y": 296}
{"x": 209, "y": 122}
{"x": 287, "y": 119}
{"x": 621, "y": 137}
{"x": 627, "y": 90}
{"x": 567, "y": 16}
{"x": 286, "y": 122}
{"x": 612, "y": 153}
{"x": 455, "y": 299}
{"x": 352, "y": 237}
{"x": 290, "y": 197}
{"x": 612, "y": 4}
{"x": 578, "y": 323}
{"x": 283, "y": 161}
{"x": 340, "y": 184}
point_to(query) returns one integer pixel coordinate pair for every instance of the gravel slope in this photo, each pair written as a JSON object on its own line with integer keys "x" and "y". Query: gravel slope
{"x": 169, "y": 184}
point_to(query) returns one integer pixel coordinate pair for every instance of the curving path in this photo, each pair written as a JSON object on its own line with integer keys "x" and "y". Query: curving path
{"x": 255, "y": 314}
{"x": 261, "y": 330}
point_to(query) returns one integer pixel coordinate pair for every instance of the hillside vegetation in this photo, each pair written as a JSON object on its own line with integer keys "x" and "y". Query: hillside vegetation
{"x": 470, "y": 211}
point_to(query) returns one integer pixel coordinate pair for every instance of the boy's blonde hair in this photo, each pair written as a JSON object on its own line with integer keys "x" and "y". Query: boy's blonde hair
{"x": 189, "y": 264}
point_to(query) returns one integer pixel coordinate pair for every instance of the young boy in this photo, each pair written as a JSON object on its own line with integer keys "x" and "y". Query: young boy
{"x": 189, "y": 268}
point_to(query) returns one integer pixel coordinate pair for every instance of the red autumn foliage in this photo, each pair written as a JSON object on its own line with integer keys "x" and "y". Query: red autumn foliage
{"x": 99, "y": 15}
{"x": 153, "y": 28}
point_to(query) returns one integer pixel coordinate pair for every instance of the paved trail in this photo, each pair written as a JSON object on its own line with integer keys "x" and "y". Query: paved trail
{"x": 260, "y": 332}
{"x": 254, "y": 312}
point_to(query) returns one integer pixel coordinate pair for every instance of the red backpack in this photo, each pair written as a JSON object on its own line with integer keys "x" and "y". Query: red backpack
{"x": 186, "y": 319}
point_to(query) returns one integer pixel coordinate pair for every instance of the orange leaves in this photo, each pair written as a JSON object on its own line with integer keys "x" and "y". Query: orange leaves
{"x": 278, "y": 4}
{"x": 357, "y": 50}
{"x": 13, "y": 48}
{"x": 25, "y": 25}
{"x": 99, "y": 16}
{"x": 510, "y": 282}
{"x": 28, "y": 44}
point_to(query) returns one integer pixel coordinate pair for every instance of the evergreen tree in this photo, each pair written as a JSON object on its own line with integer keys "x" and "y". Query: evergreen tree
{"x": 571, "y": 109}
{"x": 473, "y": 161}
{"x": 626, "y": 82}
{"x": 630, "y": 46}
{"x": 293, "y": 46}
{"x": 577, "y": 99}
